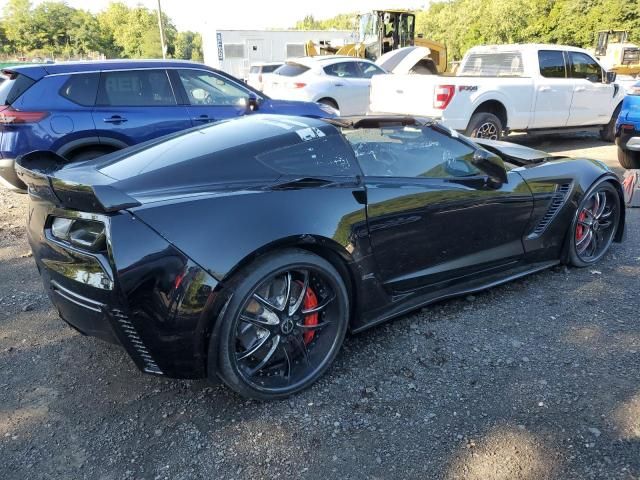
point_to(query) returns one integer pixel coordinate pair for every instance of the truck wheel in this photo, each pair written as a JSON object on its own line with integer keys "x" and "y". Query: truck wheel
{"x": 484, "y": 125}
{"x": 608, "y": 132}
{"x": 629, "y": 160}
{"x": 329, "y": 101}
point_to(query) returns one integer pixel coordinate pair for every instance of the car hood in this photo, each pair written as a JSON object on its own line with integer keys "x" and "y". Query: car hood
{"x": 514, "y": 153}
{"x": 401, "y": 61}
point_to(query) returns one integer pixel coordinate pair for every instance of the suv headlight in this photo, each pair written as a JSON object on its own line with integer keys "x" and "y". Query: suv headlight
{"x": 85, "y": 234}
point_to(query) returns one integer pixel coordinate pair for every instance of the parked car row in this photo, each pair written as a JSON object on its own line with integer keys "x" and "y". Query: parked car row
{"x": 82, "y": 110}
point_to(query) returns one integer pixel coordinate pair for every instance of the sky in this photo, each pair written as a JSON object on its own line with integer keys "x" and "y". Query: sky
{"x": 247, "y": 14}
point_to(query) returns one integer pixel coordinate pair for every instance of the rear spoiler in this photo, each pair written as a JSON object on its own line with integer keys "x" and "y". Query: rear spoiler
{"x": 38, "y": 171}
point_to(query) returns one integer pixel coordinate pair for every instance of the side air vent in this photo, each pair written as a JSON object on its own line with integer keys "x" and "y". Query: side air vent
{"x": 557, "y": 200}
{"x": 149, "y": 364}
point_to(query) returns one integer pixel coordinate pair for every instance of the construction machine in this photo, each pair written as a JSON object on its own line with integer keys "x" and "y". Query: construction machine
{"x": 381, "y": 31}
{"x": 617, "y": 53}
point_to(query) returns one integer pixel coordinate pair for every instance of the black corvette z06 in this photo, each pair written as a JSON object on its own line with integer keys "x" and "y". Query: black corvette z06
{"x": 246, "y": 250}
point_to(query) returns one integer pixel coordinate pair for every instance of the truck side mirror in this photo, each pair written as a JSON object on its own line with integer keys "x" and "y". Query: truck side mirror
{"x": 252, "y": 103}
{"x": 610, "y": 77}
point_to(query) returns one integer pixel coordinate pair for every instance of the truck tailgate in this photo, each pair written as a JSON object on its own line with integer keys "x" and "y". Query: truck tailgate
{"x": 406, "y": 94}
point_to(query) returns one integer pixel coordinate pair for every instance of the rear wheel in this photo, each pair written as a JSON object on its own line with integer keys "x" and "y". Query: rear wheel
{"x": 485, "y": 125}
{"x": 595, "y": 225}
{"x": 283, "y": 326}
{"x": 608, "y": 132}
{"x": 628, "y": 159}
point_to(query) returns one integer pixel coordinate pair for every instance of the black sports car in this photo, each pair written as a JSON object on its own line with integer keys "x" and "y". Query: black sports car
{"x": 245, "y": 250}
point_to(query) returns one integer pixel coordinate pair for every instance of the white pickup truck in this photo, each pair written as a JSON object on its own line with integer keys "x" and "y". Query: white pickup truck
{"x": 503, "y": 88}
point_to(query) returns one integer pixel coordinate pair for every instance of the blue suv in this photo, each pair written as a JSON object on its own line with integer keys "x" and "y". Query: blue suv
{"x": 628, "y": 129}
{"x": 87, "y": 109}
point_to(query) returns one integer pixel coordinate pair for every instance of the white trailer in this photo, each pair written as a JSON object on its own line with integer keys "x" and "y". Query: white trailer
{"x": 233, "y": 51}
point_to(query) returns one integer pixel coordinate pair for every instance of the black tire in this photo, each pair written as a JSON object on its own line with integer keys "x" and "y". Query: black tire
{"x": 628, "y": 159}
{"x": 257, "y": 356}
{"x": 608, "y": 132}
{"x": 329, "y": 101}
{"x": 83, "y": 155}
{"x": 485, "y": 125}
{"x": 594, "y": 225}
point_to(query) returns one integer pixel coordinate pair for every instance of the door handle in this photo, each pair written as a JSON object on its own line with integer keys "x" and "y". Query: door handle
{"x": 115, "y": 119}
{"x": 580, "y": 89}
{"x": 338, "y": 84}
{"x": 545, "y": 89}
{"x": 203, "y": 118}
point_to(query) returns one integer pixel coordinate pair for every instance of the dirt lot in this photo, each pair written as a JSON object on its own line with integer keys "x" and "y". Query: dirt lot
{"x": 536, "y": 379}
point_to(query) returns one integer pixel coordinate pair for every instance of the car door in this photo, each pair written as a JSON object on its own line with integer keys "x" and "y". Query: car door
{"x": 133, "y": 106}
{"x": 591, "y": 102}
{"x": 432, "y": 215}
{"x": 367, "y": 71}
{"x": 349, "y": 88}
{"x": 209, "y": 96}
{"x": 554, "y": 91}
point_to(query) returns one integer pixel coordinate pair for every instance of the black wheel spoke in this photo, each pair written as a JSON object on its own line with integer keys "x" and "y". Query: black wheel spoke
{"x": 274, "y": 345}
{"x": 310, "y": 328}
{"x": 303, "y": 348}
{"x": 320, "y": 307}
{"x": 258, "y": 344}
{"x": 602, "y": 204}
{"x": 298, "y": 303}
{"x": 584, "y": 242}
{"x": 259, "y": 322}
{"x": 266, "y": 304}
{"x": 288, "y": 360}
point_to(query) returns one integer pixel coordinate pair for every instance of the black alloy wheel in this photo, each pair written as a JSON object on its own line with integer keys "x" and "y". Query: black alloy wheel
{"x": 595, "y": 225}
{"x": 284, "y": 326}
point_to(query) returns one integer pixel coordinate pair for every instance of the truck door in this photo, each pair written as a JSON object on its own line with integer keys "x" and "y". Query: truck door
{"x": 591, "y": 103}
{"x": 553, "y": 91}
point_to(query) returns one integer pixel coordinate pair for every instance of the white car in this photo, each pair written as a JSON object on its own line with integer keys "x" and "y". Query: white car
{"x": 502, "y": 88}
{"x": 340, "y": 82}
{"x": 259, "y": 72}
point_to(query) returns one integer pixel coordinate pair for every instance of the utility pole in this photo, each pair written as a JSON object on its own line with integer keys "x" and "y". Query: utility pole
{"x": 162, "y": 45}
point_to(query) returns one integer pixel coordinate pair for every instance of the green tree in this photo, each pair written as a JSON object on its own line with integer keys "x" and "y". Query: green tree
{"x": 18, "y": 25}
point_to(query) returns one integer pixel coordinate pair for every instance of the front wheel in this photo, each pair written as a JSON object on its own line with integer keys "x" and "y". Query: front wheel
{"x": 484, "y": 125}
{"x": 283, "y": 326}
{"x": 608, "y": 132}
{"x": 594, "y": 225}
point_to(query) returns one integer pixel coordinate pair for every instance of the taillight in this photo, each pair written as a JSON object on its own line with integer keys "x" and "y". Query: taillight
{"x": 443, "y": 95}
{"x": 11, "y": 116}
{"x": 297, "y": 85}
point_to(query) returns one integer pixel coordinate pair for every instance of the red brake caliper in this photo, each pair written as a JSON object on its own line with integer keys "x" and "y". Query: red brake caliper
{"x": 580, "y": 228}
{"x": 310, "y": 301}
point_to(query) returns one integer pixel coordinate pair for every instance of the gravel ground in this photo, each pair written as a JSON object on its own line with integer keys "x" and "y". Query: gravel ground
{"x": 532, "y": 380}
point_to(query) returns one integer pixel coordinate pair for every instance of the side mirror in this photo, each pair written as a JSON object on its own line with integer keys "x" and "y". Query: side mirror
{"x": 491, "y": 164}
{"x": 610, "y": 77}
{"x": 253, "y": 104}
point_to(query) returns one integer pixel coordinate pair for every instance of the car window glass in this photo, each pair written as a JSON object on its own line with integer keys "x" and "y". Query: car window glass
{"x": 135, "y": 88}
{"x": 503, "y": 64}
{"x": 13, "y": 87}
{"x": 408, "y": 151}
{"x": 291, "y": 69}
{"x": 369, "y": 69}
{"x": 206, "y": 88}
{"x": 343, "y": 70}
{"x": 270, "y": 68}
{"x": 583, "y": 66}
{"x": 552, "y": 64}
{"x": 81, "y": 88}
{"x": 323, "y": 156}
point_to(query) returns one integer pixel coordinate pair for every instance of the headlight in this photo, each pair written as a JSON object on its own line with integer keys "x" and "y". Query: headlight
{"x": 85, "y": 234}
{"x": 329, "y": 109}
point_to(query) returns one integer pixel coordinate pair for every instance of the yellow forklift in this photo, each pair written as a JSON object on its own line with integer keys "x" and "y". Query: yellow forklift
{"x": 382, "y": 31}
{"x": 617, "y": 53}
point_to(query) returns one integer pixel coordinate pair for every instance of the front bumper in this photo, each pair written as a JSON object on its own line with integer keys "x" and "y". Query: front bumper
{"x": 142, "y": 293}
{"x": 8, "y": 177}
